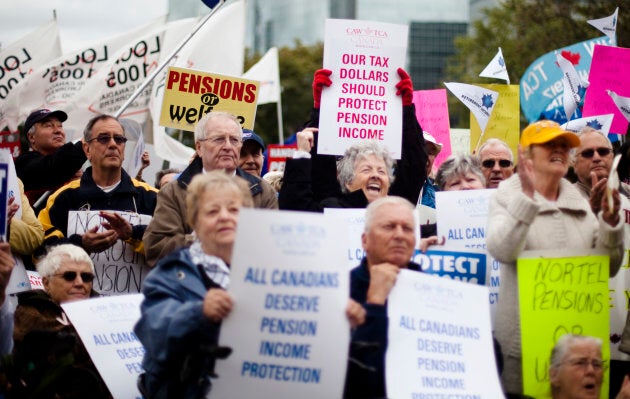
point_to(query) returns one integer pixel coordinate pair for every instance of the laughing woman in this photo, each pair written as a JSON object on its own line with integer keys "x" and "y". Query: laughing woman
{"x": 537, "y": 209}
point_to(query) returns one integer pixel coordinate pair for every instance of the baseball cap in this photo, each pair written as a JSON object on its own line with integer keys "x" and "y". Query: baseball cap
{"x": 544, "y": 131}
{"x": 250, "y": 135}
{"x": 428, "y": 137}
{"x": 41, "y": 114}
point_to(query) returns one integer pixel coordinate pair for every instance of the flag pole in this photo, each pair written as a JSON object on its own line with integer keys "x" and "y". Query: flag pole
{"x": 280, "y": 123}
{"x": 168, "y": 59}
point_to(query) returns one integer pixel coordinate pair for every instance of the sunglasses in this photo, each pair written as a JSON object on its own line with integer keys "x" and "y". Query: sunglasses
{"x": 106, "y": 138}
{"x": 489, "y": 163}
{"x": 602, "y": 151}
{"x": 71, "y": 276}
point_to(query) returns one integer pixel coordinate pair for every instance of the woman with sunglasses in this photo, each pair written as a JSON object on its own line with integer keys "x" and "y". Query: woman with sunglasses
{"x": 48, "y": 353}
{"x": 538, "y": 209}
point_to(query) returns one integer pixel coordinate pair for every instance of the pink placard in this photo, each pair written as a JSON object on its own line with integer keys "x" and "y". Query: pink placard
{"x": 609, "y": 71}
{"x": 432, "y": 114}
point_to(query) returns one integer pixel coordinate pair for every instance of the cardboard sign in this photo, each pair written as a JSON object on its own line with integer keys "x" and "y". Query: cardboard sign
{"x": 559, "y": 295}
{"x": 432, "y": 114}
{"x": 190, "y": 94}
{"x": 439, "y": 340}
{"x": 288, "y": 328}
{"x": 105, "y": 326}
{"x": 361, "y": 104}
{"x": 504, "y": 122}
{"x": 119, "y": 270}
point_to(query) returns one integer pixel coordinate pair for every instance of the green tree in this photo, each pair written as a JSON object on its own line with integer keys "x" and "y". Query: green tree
{"x": 297, "y": 65}
{"x": 525, "y": 30}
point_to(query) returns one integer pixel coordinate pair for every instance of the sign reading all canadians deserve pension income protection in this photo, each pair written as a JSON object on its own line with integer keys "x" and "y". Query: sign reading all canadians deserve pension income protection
{"x": 190, "y": 94}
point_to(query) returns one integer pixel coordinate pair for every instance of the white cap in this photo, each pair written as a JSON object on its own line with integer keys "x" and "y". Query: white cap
{"x": 429, "y": 138}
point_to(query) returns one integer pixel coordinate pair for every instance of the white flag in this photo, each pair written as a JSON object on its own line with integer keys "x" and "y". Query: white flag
{"x": 574, "y": 86}
{"x": 597, "y": 122}
{"x": 623, "y": 103}
{"x": 218, "y": 47}
{"x": 496, "y": 68}
{"x": 479, "y": 100}
{"x": 607, "y": 25}
{"x": 55, "y": 84}
{"x": 20, "y": 59}
{"x": 266, "y": 71}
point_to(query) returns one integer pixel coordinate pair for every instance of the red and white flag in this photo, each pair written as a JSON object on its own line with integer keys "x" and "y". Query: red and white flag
{"x": 574, "y": 86}
{"x": 21, "y": 58}
{"x": 479, "y": 100}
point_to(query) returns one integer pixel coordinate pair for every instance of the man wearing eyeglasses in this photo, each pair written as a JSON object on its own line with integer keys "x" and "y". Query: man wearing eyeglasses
{"x": 497, "y": 162}
{"x": 105, "y": 187}
{"x": 218, "y": 141}
{"x": 51, "y": 162}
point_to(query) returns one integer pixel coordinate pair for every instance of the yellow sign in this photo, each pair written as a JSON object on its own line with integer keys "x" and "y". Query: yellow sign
{"x": 560, "y": 296}
{"x": 504, "y": 120}
{"x": 189, "y": 95}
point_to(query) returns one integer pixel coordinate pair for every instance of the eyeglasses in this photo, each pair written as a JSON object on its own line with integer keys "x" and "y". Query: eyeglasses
{"x": 602, "y": 151}
{"x": 583, "y": 363}
{"x": 71, "y": 276}
{"x": 221, "y": 140}
{"x": 489, "y": 163}
{"x": 106, "y": 138}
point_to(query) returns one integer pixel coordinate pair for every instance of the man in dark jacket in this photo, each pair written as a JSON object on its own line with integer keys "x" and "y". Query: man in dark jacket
{"x": 104, "y": 186}
{"x": 218, "y": 140}
{"x": 52, "y": 162}
{"x": 389, "y": 241}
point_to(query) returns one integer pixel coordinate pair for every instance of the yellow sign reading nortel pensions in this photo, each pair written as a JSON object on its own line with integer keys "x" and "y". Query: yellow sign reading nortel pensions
{"x": 190, "y": 94}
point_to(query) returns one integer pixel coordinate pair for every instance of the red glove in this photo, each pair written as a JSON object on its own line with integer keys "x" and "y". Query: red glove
{"x": 321, "y": 79}
{"x": 405, "y": 87}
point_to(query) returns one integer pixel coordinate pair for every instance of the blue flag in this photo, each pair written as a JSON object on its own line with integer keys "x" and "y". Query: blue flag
{"x": 210, "y": 3}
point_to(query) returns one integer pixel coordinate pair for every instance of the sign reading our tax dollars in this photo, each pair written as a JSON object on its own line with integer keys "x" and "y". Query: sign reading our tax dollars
{"x": 190, "y": 94}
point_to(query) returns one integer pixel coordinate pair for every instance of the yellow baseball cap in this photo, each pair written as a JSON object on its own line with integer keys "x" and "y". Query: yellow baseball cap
{"x": 544, "y": 131}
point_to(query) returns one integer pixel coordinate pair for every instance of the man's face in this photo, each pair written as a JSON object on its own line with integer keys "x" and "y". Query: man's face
{"x": 48, "y": 135}
{"x": 588, "y": 157}
{"x": 222, "y": 146}
{"x": 252, "y": 158}
{"x": 391, "y": 237}
{"x": 106, "y": 148}
{"x": 492, "y": 157}
{"x": 580, "y": 374}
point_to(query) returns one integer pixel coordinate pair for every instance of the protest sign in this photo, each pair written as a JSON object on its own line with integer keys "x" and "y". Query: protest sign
{"x": 608, "y": 72}
{"x": 559, "y": 294}
{"x": 439, "y": 340}
{"x": 432, "y": 114}
{"x": 119, "y": 269}
{"x": 362, "y": 104}
{"x": 469, "y": 265}
{"x": 288, "y": 329}
{"x": 619, "y": 287}
{"x": 504, "y": 122}
{"x": 460, "y": 141}
{"x": 189, "y": 95}
{"x": 105, "y": 326}
{"x": 463, "y": 218}
{"x": 354, "y": 222}
{"x": 277, "y": 155}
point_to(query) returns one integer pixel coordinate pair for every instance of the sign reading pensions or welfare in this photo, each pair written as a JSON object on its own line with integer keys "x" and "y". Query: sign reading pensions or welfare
{"x": 362, "y": 104}
{"x": 557, "y": 296}
{"x": 190, "y": 94}
{"x": 288, "y": 329}
{"x": 119, "y": 269}
{"x": 105, "y": 325}
{"x": 440, "y": 340}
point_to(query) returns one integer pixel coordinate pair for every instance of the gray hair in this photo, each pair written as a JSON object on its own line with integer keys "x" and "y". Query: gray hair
{"x": 200, "y": 129}
{"x": 561, "y": 348}
{"x": 346, "y": 165}
{"x": 87, "y": 132}
{"x": 458, "y": 165}
{"x": 59, "y": 254}
{"x": 371, "y": 209}
{"x": 494, "y": 142}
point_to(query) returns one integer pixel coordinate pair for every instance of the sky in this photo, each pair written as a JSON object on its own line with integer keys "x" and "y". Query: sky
{"x": 81, "y": 22}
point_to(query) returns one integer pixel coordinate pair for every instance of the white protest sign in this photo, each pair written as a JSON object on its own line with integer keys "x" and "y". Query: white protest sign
{"x": 462, "y": 220}
{"x": 288, "y": 328}
{"x": 105, "y": 326}
{"x": 35, "y": 279}
{"x": 19, "y": 279}
{"x": 119, "y": 270}
{"x": 354, "y": 221}
{"x": 362, "y": 104}
{"x": 439, "y": 340}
